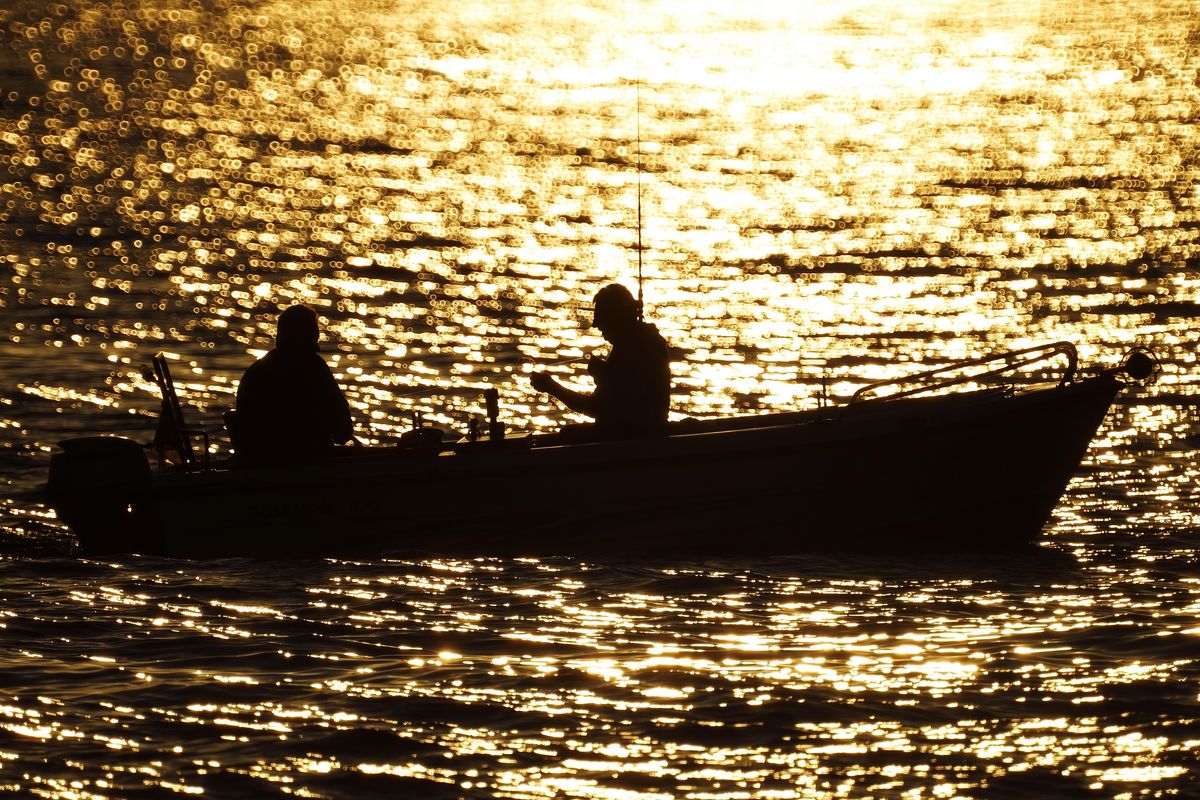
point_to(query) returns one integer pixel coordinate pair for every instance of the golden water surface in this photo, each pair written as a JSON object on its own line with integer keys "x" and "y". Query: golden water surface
{"x": 816, "y": 195}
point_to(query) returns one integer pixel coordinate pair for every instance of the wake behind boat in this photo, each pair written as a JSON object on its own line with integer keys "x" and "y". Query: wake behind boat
{"x": 979, "y": 468}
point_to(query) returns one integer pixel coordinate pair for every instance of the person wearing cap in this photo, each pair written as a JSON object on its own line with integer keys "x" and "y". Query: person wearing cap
{"x": 289, "y": 407}
{"x": 633, "y": 384}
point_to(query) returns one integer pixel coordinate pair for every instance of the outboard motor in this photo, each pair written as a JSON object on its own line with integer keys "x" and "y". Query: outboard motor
{"x": 97, "y": 486}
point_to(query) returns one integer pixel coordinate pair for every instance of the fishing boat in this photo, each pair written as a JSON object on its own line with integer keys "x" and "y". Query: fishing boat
{"x": 961, "y": 457}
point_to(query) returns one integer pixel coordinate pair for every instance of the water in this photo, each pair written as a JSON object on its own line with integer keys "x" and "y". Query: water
{"x": 830, "y": 194}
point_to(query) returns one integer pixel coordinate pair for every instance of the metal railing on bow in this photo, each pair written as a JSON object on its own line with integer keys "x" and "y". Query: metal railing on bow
{"x": 945, "y": 376}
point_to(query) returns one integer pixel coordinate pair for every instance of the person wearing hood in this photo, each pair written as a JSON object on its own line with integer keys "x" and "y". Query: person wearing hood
{"x": 633, "y": 384}
{"x": 289, "y": 407}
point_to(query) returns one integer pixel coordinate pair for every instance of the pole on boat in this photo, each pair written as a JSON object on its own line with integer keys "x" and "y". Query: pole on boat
{"x": 491, "y": 399}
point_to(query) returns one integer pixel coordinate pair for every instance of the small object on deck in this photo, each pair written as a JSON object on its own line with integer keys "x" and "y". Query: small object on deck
{"x": 491, "y": 397}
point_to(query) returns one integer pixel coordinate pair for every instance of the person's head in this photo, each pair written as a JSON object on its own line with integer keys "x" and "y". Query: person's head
{"x": 297, "y": 330}
{"x": 614, "y": 310}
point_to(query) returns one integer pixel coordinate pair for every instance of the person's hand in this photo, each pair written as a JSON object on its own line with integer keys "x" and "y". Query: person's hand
{"x": 541, "y": 382}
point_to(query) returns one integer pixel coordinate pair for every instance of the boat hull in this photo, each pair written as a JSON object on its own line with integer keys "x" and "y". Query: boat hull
{"x": 967, "y": 471}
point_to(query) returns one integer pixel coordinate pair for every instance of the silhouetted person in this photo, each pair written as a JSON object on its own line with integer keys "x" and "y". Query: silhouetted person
{"x": 289, "y": 407}
{"x": 633, "y": 385}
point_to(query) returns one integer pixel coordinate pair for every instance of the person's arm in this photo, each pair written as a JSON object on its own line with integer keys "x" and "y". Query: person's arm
{"x": 246, "y": 432}
{"x": 341, "y": 427}
{"x": 576, "y": 401}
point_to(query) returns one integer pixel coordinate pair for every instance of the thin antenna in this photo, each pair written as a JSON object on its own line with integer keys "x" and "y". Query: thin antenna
{"x": 638, "y": 123}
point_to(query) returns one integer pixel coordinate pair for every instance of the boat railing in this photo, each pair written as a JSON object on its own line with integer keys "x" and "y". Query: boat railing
{"x": 944, "y": 377}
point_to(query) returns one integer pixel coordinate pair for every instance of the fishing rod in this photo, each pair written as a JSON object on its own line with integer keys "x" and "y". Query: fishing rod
{"x": 637, "y": 117}
{"x": 638, "y": 160}
{"x": 537, "y": 362}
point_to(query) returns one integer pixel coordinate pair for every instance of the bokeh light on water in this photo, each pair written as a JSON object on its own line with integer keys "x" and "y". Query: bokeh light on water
{"x": 450, "y": 185}
{"x": 536, "y": 679}
{"x": 831, "y": 193}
